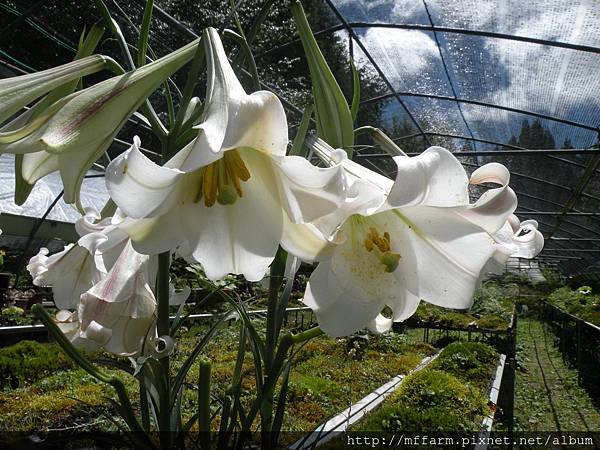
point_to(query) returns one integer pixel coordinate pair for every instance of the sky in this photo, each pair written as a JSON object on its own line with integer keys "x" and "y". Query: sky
{"x": 547, "y": 80}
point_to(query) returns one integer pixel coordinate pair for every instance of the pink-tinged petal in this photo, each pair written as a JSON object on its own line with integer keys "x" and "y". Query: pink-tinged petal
{"x": 119, "y": 311}
{"x": 495, "y": 206}
{"x": 70, "y": 273}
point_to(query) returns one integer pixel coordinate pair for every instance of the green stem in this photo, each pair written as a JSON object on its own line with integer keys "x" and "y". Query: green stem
{"x": 287, "y": 342}
{"x": 162, "y": 325}
{"x": 382, "y": 139}
{"x": 204, "y": 404}
{"x": 64, "y": 343}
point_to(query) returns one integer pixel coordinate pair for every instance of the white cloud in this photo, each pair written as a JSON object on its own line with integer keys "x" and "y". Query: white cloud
{"x": 400, "y": 52}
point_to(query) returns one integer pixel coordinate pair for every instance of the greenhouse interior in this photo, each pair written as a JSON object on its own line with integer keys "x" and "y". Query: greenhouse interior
{"x": 299, "y": 224}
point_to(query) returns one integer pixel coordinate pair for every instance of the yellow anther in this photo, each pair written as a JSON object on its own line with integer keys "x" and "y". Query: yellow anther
{"x": 382, "y": 246}
{"x": 382, "y": 243}
{"x": 221, "y": 180}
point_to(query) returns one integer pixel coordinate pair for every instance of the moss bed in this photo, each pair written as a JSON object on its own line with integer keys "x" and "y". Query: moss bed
{"x": 47, "y": 393}
{"x": 586, "y": 306}
{"x": 492, "y": 309}
{"x": 449, "y": 395}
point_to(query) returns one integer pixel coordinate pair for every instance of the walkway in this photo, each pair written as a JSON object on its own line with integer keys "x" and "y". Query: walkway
{"x": 548, "y": 396}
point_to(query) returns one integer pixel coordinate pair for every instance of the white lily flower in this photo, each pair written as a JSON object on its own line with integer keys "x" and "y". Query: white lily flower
{"x": 225, "y": 198}
{"x": 516, "y": 239}
{"x": 425, "y": 241}
{"x": 79, "y": 266}
{"x": 118, "y": 312}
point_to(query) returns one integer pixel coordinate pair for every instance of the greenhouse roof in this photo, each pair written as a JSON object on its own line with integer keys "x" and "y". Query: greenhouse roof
{"x": 511, "y": 81}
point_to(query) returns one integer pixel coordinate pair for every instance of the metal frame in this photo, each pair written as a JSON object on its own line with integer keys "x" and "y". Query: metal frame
{"x": 560, "y": 212}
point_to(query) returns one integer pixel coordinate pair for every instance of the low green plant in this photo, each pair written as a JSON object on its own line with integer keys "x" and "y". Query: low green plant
{"x": 29, "y": 361}
{"x": 581, "y": 303}
{"x": 430, "y": 400}
{"x": 13, "y": 315}
{"x": 470, "y": 362}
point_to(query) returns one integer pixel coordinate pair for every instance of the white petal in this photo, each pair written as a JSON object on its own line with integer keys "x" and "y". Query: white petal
{"x": 157, "y": 235}
{"x": 233, "y": 119}
{"x": 433, "y": 178}
{"x": 260, "y": 124}
{"x": 495, "y": 206}
{"x": 309, "y": 192}
{"x": 528, "y": 240}
{"x": 70, "y": 273}
{"x": 141, "y": 188}
{"x": 442, "y": 254}
{"x": 241, "y": 238}
{"x": 305, "y": 241}
{"x": 224, "y": 94}
{"x": 380, "y": 324}
{"x": 338, "y": 312}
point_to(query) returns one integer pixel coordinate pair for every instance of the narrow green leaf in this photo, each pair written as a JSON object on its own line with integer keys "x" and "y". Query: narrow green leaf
{"x": 281, "y": 401}
{"x": 187, "y": 365}
{"x": 241, "y": 41}
{"x": 144, "y": 33}
{"x": 298, "y": 148}
{"x": 334, "y": 121}
{"x": 355, "y": 92}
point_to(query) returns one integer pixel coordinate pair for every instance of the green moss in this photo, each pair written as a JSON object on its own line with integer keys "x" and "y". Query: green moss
{"x": 470, "y": 362}
{"x": 29, "y": 361}
{"x": 586, "y": 306}
{"x": 430, "y": 400}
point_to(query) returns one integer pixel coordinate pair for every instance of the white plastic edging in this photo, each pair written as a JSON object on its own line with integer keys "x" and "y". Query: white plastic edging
{"x": 355, "y": 412}
{"x": 493, "y": 393}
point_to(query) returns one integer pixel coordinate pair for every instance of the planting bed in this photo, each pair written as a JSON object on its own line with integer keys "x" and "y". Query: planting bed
{"x": 449, "y": 395}
{"x": 585, "y": 306}
{"x": 328, "y": 376}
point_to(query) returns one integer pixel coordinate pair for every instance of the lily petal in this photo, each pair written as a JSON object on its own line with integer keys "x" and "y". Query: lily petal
{"x": 495, "y": 206}
{"x": 327, "y": 296}
{"x": 141, "y": 188}
{"x": 433, "y": 178}
{"x": 240, "y": 238}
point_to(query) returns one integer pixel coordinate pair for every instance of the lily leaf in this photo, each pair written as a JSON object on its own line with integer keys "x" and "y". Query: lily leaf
{"x": 334, "y": 121}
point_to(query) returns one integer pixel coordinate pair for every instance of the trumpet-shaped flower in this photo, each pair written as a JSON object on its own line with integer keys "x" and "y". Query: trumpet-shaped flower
{"x": 515, "y": 239}
{"x": 424, "y": 241}
{"x": 223, "y": 200}
{"x": 118, "y": 312}
{"x": 72, "y": 133}
{"x": 79, "y": 266}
